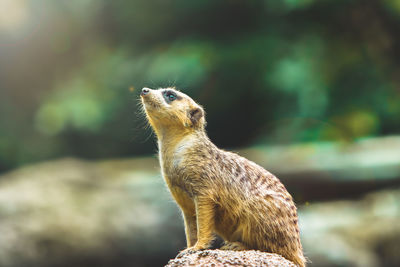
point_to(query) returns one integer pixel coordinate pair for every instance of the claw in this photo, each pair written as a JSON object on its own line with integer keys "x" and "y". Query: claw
{"x": 236, "y": 246}
{"x": 188, "y": 251}
{"x": 185, "y": 252}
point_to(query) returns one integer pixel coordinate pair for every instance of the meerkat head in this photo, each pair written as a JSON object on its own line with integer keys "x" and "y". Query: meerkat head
{"x": 170, "y": 109}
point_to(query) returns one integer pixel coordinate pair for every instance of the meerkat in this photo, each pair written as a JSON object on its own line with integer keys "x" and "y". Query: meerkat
{"x": 219, "y": 192}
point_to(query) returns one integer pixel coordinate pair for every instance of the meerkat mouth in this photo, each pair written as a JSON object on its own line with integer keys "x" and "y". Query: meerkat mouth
{"x": 149, "y": 103}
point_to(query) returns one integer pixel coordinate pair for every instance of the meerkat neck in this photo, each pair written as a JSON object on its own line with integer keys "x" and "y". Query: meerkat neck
{"x": 167, "y": 141}
{"x": 172, "y": 135}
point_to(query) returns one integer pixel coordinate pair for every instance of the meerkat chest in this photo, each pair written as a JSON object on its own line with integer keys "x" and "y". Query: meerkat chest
{"x": 185, "y": 151}
{"x": 174, "y": 158}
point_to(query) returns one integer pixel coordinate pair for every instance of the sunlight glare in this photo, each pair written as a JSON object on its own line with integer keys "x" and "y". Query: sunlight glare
{"x": 13, "y": 14}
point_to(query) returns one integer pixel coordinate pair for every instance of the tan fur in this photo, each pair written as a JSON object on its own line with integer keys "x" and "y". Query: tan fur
{"x": 220, "y": 192}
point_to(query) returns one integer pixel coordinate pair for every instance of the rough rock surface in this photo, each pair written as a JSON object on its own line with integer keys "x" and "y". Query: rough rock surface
{"x": 230, "y": 258}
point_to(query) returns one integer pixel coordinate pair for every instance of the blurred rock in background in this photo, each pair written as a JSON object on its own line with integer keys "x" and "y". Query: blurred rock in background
{"x": 364, "y": 232}
{"x": 77, "y": 213}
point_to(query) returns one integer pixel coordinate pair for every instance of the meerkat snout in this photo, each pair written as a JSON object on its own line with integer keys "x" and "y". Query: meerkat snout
{"x": 145, "y": 91}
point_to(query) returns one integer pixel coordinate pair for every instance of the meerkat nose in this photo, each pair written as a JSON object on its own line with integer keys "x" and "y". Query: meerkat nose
{"x": 145, "y": 91}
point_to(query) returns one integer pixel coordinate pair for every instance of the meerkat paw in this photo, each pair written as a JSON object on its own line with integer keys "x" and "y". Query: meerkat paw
{"x": 190, "y": 250}
{"x": 185, "y": 252}
{"x": 233, "y": 246}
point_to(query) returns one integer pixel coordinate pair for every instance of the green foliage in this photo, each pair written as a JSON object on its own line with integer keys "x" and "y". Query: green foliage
{"x": 265, "y": 71}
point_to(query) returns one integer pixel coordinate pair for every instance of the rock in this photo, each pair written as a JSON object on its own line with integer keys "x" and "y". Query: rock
{"x": 230, "y": 258}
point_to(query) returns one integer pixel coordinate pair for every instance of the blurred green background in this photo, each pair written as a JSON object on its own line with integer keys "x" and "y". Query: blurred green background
{"x": 277, "y": 76}
{"x": 267, "y": 71}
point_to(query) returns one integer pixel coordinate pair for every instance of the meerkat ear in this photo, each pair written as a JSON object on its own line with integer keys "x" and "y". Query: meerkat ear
{"x": 195, "y": 115}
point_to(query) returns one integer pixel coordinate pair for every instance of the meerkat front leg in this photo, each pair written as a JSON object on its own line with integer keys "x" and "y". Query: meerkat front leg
{"x": 188, "y": 209}
{"x": 205, "y": 224}
{"x": 205, "y": 213}
{"x": 190, "y": 228}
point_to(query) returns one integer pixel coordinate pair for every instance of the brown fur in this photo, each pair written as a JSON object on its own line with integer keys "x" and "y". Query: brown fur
{"x": 218, "y": 191}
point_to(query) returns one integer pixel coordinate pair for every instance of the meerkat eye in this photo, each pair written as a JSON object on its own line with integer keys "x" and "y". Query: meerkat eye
{"x": 170, "y": 96}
